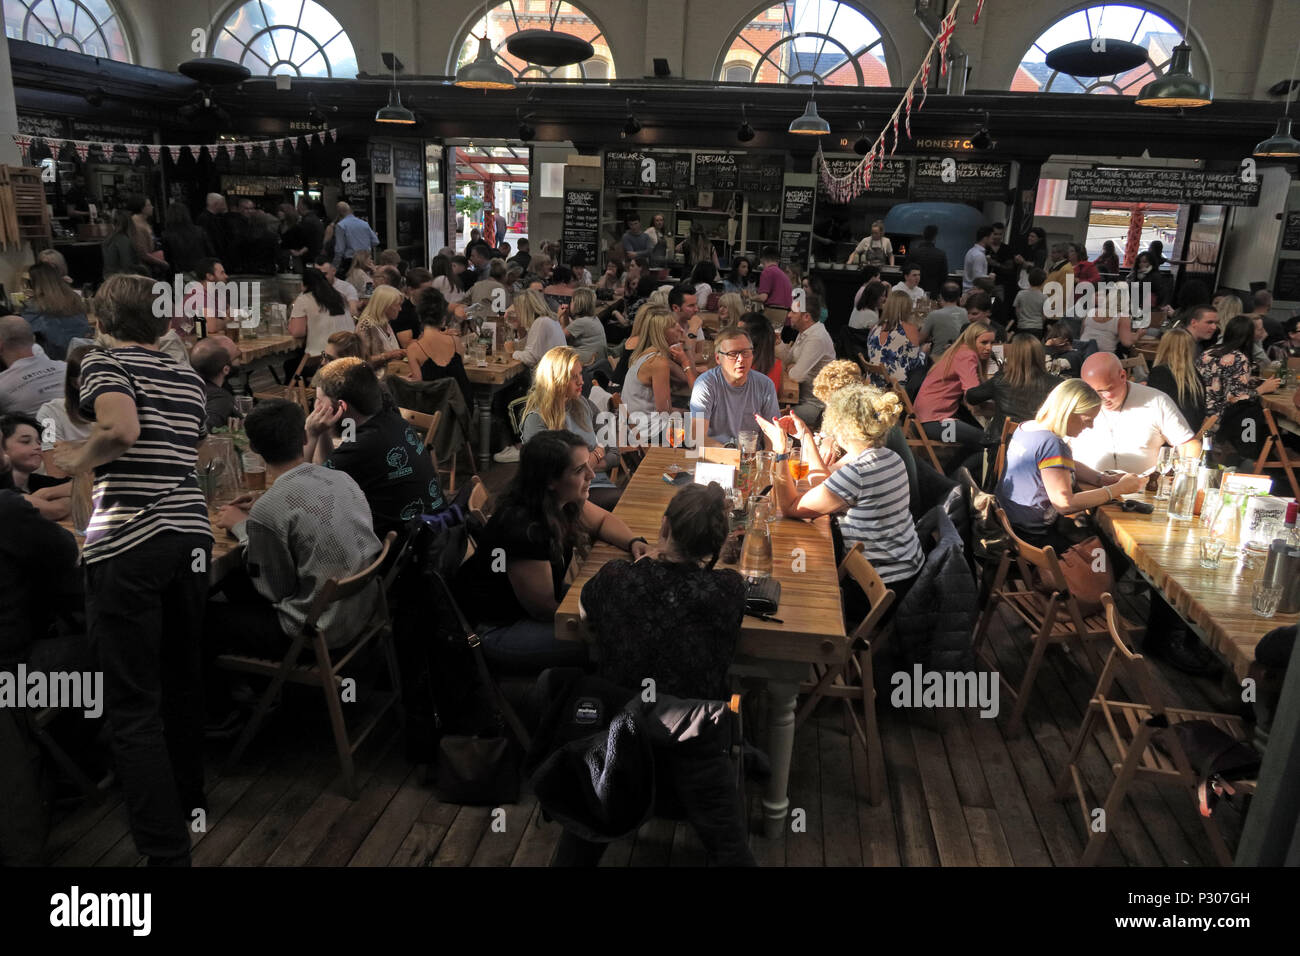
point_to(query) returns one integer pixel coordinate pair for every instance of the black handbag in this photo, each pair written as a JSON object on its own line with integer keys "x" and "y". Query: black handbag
{"x": 762, "y": 596}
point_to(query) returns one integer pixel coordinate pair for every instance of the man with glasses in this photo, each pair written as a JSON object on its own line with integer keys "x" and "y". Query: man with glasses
{"x": 725, "y": 399}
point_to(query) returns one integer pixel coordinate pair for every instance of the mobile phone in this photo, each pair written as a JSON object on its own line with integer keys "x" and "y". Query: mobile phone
{"x": 681, "y": 478}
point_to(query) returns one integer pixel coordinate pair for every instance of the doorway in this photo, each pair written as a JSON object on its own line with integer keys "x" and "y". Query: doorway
{"x": 489, "y": 174}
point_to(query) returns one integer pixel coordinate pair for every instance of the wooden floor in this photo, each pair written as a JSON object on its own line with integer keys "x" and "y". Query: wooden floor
{"x": 959, "y": 794}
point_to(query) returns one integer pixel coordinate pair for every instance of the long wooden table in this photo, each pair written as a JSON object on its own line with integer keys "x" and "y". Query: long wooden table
{"x": 487, "y": 381}
{"x": 262, "y": 352}
{"x": 1282, "y": 404}
{"x": 1214, "y": 603}
{"x": 813, "y": 630}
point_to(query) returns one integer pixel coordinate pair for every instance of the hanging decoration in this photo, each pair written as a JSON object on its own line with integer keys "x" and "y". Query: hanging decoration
{"x": 845, "y": 186}
{"x": 979, "y": 8}
{"x": 25, "y": 141}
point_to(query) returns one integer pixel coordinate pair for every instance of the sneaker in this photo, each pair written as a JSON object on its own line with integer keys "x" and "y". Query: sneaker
{"x": 507, "y": 455}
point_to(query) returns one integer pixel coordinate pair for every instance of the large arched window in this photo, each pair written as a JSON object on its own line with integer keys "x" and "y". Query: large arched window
{"x": 809, "y": 41}
{"x": 82, "y": 26}
{"x": 290, "y": 37}
{"x": 1114, "y": 21}
{"x": 500, "y": 21}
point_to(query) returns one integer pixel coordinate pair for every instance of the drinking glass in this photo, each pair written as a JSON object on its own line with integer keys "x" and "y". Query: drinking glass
{"x": 676, "y": 435}
{"x": 478, "y": 355}
{"x": 748, "y": 441}
{"x": 1182, "y": 498}
{"x": 1165, "y": 466}
{"x": 244, "y": 405}
{"x": 1210, "y": 506}
{"x": 1264, "y": 599}
{"x": 1211, "y": 551}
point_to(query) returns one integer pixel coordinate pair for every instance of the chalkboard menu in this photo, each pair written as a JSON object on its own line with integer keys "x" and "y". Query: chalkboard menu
{"x": 1157, "y": 184}
{"x": 1286, "y": 287}
{"x": 580, "y": 233}
{"x": 358, "y": 194}
{"x": 887, "y": 182}
{"x": 949, "y": 179}
{"x": 623, "y": 169}
{"x": 408, "y": 169}
{"x": 794, "y": 246}
{"x": 798, "y": 205}
{"x": 1291, "y": 232}
{"x": 381, "y": 159}
{"x": 716, "y": 171}
{"x": 760, "y": 173}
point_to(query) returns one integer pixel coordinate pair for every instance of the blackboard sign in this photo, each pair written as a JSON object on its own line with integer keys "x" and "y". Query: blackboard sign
{"x": 408, "y": 169}
{"x": 381, "y": 159}
{"x": 580, "y": 232}
{"x": 1291, "y": 232}
{"x": 358, "y": 194}
{"x": 797, "y": 205}
{"x": 623, "y": 169}
{"x": 716, "y": 171}
{"x": 1156, "y": 184}
{"x": 43, "y": 126}
{"x": 949, "y": 179}
{"x": 887, "y": 182}
{"x": 1286, "y": 287}
{"x": 794, "y": 246}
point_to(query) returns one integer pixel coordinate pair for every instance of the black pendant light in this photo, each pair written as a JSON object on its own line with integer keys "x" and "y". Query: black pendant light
{"x": 395, "y": 112}
{"x": 549, "y": 47}
{"x": 1092, "y": 58}
{"x": 1177, "y": 88}
{"x": 484, "y": 72}
{"x": 214, "y": 70}
{"x": 810, "y": 124}
{"x": 1282, "y": 145}
{"x": 746, "y": 132}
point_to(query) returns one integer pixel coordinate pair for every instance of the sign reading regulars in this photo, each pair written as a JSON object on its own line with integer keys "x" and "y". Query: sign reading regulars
{"x": 197, "y": 299}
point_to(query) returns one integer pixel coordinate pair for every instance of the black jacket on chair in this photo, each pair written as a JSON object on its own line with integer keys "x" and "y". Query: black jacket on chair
{"x": 935, "y": 622}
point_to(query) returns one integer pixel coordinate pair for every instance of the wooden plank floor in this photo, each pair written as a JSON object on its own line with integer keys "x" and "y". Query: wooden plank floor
{"x": 959, "y": 793}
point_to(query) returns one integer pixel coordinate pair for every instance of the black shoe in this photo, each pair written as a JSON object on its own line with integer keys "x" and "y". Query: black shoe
{"x": 1191, "y": 657}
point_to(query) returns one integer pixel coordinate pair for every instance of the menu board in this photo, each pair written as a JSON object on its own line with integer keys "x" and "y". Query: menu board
{"x": 357, "y": 194}
{"x": 797, "y": 205}
{"x": 580, "y": 233}
{"x": 950, "y": 179}
{"x": 381, "y": 159}
{"x": 1158, "y": 184}
{"x": 758, "y": 172}
{"x": 794, "y": 246}
{"x": 716, "y": 171}
{"x": 623, "y": 169}
{"x": 408, "y": 169}
{"x": 1286, "y": 287}
{"x": 887, "y": 182}
{"x": 1291, "y": 232}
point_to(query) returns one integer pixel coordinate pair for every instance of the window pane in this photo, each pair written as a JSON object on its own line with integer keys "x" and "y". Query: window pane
{"x": 500, "y": 21}
{"x": 299, "y": 27}
{"x": 820, "y": 41}
{"x": 1113, "y": 21}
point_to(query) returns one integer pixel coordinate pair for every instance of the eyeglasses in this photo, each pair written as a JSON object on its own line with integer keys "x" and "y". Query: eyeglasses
{"x": 742, "y": 353}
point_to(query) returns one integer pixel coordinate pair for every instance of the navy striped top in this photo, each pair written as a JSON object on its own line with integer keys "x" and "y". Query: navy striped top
{"x": 875, "y": 486}
{"x": 152, "y": 487}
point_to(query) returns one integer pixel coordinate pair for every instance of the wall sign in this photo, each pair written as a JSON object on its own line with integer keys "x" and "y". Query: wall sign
{"x": 408, "y": 169}
{"x": 1291, "y": 232}
{"x": 1157, "y": 184}
{"x": 797, "y": 205}
{"x": 381, "y": 159}
{"x": 580, "y": 231}
{"x": 948, "y": 179}
{"x": 1286, "y": 287}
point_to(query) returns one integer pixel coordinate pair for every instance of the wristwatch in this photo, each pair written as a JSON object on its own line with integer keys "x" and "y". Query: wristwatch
{"x": 784, "y": 456}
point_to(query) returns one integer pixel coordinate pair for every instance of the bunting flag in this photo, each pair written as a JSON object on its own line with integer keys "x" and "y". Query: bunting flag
{"x": 843, "y": 187}
{"x": 946, "y": 29}
{"x": 133, "y": 151}
{"x": 979, "y": 8}
{"x": 175, "y": 152}
{"x": 56, "y": 147}
{"x": 286, "y": 144}
{"x": 24, "y": 144}
{"x": 153, "y": 151}
{"x": 334, "y": 134}
{"x": 82, "y": 148}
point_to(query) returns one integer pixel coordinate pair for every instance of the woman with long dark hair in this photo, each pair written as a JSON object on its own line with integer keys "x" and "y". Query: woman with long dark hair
{"x": 446, "y": 279}
{"x": 435, "y": 352}
{"x": 543, "y": 518}
{"x": 316, "y": 314}
{"x": 763, "y": 339}
{"x": 741, "y": 278}
{"x": 184, "y": 244}
{"x": 1225, "y": 370}
{"x": 866, "y": 309}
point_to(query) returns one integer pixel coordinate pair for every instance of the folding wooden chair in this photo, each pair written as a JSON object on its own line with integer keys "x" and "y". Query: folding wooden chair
{"x": 853, "y": 680}
{"x": 1136, "y": 367}
{"x": 1206, "y": 427}
{"x": 325, "y": 672}
{"x": 1273, "y": 443}
{"x": 1009, "y": 425}
{"x": 297, "y": 389}
{"x": 1041, "y": 598}
{"x": 912, "y": 429}
{"x": 1132, "y": 726}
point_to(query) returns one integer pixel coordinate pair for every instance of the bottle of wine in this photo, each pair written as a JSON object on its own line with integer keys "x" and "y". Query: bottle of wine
{"x": 1203, "y": 475}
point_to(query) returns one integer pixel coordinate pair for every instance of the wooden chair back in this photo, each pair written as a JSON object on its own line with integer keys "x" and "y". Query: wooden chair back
{"x": 1128, "y": 665}
{"x": 1209, "y": 423}
{"x": 1135, "y": 366}
{"x": 340, "y": 589}
{"x": 426, "y": 423}
{"x": 1280, "y": 458}
{"x": 1009, "y": 426}
{"x": 879, "y": 595}
{"x": 1044, "y": 561}
{"x": 912, "y": 429}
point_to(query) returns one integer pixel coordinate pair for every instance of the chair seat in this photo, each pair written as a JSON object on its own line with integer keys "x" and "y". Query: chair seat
{"x": 1031, "y": 607}
{"x": 1123, "y": 719}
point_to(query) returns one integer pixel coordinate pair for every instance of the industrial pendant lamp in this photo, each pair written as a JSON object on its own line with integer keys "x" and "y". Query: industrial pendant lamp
{"x": 485, "y": 73}
{"x": 810, "y": 124}
{"x": 214, "y": 70}
{"x": 395, "y": 112}
{"x": 1282, "y": 145}
{"x": 1177, "y": 88}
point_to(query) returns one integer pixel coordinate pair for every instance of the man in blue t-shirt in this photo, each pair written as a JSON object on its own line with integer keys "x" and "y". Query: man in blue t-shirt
{"x": 726, "y": 398}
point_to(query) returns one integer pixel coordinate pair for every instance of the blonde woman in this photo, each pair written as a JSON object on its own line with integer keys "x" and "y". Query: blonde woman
{"x": 1229, "y": 307}
{"x": 1038, "y": 485}
{"x": 895, "y": 342}
{"x": 56, "y": 314}
{"x": 1174, "y": 373}
{"x": 533, "y": 316}
{"x": 377, "y": 336}
{"x": 731, "y": 309}
{"x": 583, "y": 328}
{"x": 648, "y": 386}
{"x": 362, "y": 268}
{"x": 555, "y": 402}
{"x": 869, "y": 491}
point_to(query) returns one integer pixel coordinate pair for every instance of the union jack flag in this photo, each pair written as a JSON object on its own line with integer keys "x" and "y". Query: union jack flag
{"x": 907, "y": 115}
{"x": 946, "y": 29}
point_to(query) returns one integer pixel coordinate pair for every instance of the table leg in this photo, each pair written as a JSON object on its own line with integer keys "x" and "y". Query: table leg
{"x": 483, "y": 408}
{"x": 783, "y": 695}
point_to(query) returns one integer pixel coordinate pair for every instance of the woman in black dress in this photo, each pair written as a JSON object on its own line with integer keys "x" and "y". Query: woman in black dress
{"x": 435, "y": 352}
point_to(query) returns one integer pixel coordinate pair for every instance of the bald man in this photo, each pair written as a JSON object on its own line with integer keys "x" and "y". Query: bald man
{"x": 1133, "y": 423}
{"x": 351, "y": 235}
{"x": 30, "y": 378}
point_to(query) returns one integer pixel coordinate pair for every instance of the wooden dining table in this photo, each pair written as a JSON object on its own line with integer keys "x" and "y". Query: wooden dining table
{"x": 811, "y": 628}
{"x": 487, "y": 380}
{"x": 260, "y": 352}
{"x": 1216, "y": 604}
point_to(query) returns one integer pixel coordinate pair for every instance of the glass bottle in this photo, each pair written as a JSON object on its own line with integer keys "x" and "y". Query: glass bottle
{"x": 756, "y": 558}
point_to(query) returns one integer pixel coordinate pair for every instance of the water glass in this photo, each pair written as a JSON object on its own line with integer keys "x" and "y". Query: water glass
{"x": 1182, "y": 498}
{"x": 1211, "y": 551}
{"x": 244, "y": 405}
{"x": 478, "y": 355}
{"x": 748, "y": 441}
{"x": 1264, "y": 599}
{"x": 1210, "y": 506}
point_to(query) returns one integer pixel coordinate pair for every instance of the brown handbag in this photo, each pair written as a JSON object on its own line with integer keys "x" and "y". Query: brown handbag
{"x": 1085, "y": 581}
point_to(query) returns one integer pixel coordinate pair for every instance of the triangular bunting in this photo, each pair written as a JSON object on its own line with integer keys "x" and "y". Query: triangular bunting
{"x": 82, "y": 149}
{"x": 55, "y": 147}
{"x": 334, "y": 136}
{"x": 925, "y": 78}
{"x": 175, "y": 152}
{"x": 153, "y": 151}
{"x": 895, "y": 146}
{"x": 979, "y": 8}
{"x": 947, "y": 27}
{"x": 24, "y": 144}
{"x": 133, "y": 151}
{"x": 286, "y": 144}
{"x": 907, "y": 116}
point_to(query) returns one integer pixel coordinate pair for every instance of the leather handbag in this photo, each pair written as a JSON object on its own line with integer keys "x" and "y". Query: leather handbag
{"x": 1085, "y": 581}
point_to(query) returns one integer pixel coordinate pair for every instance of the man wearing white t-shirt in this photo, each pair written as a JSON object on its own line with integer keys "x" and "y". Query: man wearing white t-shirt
{"x": 976, "y": 263}
{"x": 912, "y": 283}
{"x": 30, "y": 377}
{"x": 1133, "y": 423}
{"x": 803, "y": 360}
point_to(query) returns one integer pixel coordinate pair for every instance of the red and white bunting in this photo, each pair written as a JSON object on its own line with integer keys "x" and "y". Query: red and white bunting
{"x": 175, "y": 152}
{"x": 24, "y": 144}
{"x": 55, "y": 146}
{"x": 979, "y": 8}
{"x": 907, "y": 115}
{"x": 334, "y": 136}
{"x": 946, "y": 29}
{"x": 153, "y": 151}
{"x": 286, "y": 144}
{"x": 133, "y": 151}
{"x": 925, "y": 79}
{"x": 82, "y": 149}
{"x": 895, "y": 146}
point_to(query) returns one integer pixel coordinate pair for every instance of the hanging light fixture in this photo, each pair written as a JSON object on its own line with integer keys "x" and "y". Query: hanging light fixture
{"x": 633, "y": 125}
{"x": 394, "y": 112}
{"x": 1282, "y": 145}
{"x": 213, "y": 70}
{"x": 810, "y": 124}
{"x": 746, "y": 132}
{"x": 1177, "y": 88}
{"x": 861, "y": 145}
{"x": 485, "y": 73}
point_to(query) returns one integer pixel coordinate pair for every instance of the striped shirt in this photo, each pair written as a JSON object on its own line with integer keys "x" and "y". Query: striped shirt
{"x": 151, "y": 488}
{"x": 875, "y": 486}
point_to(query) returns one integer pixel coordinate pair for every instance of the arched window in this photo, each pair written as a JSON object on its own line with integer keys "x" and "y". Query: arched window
{"x": 82, "y": 26}
{"x": 810, "y": 41}
{"x": 500, "y": 21}
{"x": 1113, "y": 21}
{"x": 290, "y": 37}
